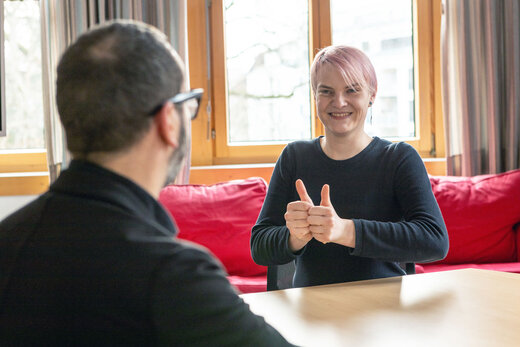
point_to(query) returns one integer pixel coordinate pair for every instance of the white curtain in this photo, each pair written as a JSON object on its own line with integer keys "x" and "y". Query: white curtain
{"x": 481, "y": 85}
{"x": 64, "y": 20}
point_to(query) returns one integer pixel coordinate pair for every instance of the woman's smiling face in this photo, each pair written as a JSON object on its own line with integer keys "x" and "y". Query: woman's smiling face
{"x": 342, "y": 107}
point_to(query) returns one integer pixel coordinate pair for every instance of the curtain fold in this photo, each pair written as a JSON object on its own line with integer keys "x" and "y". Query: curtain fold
{"x": 63, "y": 21}
{"x": 480, "y": 53}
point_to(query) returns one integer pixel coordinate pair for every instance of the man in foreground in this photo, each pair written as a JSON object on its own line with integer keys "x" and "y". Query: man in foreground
{"x": 93, "y": 261}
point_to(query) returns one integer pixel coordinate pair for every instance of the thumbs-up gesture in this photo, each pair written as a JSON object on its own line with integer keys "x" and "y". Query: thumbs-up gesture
{"x": 296, "y": 218}
{"x": 326, "y": 226}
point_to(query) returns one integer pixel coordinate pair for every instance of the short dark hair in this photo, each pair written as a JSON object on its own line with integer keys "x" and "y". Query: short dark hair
{"x": 109, "y": 81}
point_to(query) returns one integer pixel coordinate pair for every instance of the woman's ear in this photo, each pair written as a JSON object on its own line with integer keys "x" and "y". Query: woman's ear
{"x": 371, "y": 100}
{"x": 168, "y": 124}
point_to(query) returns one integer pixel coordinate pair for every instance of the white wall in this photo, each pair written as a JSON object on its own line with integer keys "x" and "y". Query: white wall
{"x": 9, "y": 204}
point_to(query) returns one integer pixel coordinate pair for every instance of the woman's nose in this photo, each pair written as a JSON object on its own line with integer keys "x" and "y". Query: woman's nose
{"x": 340, "y": 100}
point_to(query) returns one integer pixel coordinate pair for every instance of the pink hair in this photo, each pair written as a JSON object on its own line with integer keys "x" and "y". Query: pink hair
{"x": 353, "y": 64}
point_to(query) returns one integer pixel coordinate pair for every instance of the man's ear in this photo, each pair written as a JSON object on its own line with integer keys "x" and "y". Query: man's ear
{"x": 168, "y": 124}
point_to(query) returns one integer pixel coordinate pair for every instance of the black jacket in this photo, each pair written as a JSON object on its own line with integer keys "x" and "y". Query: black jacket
{"x": 94, "y": 261}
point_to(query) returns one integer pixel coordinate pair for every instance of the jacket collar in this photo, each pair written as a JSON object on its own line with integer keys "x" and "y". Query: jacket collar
{"x": 92, "y": 181}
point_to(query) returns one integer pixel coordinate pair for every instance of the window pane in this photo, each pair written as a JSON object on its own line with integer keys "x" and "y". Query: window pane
{"x": 23, "y": 76}
{"x": 383, "y": 30}
{"x": 267, "y": 61}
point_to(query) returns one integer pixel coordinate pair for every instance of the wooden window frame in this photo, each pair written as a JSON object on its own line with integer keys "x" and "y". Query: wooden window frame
{"x": 427, "y": 66}
{"x": 208, "y": 71}
{"x": 22, "y": 172}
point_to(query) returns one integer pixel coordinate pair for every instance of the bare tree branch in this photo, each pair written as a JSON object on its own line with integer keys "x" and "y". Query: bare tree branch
{"x": 230, "y": 5}
{"x": 259, "y": 44}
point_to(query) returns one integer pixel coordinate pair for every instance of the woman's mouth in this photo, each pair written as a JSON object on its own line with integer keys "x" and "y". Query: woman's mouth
{"x": 339, "y": 115}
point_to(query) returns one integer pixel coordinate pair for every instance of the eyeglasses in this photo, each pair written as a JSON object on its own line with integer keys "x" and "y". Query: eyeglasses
{"x": 191, "y": 100}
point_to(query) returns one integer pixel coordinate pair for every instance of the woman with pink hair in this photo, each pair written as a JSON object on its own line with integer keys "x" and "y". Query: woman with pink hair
{"x": 347, "y": 206}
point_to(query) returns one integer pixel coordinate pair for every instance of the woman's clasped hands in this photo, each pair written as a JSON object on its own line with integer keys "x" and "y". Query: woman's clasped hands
{"x": 306, "y": 221}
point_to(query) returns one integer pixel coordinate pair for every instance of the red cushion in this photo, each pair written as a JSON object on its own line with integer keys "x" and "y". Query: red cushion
{"x": 219, "y": 217}
{"x": 480, "y": 213}
{"x": 507, "y": 267}
{"x": 253, "y": 284}
{"x": 518, "y": 242}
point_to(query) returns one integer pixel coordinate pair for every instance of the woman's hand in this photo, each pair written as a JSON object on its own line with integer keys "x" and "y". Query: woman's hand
{"x": 306, "y": 221}
{"x": 325, "y": 224}
{"x": 296, "y": 219}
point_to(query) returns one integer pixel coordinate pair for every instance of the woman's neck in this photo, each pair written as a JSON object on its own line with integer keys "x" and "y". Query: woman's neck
{"x": 346, "y": 147}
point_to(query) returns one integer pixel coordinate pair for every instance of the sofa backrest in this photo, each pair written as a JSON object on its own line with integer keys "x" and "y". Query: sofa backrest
{"x": 219, "y": 217}
{"x": 480, "y": 213}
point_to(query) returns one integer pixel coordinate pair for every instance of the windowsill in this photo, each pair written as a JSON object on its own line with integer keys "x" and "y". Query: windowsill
{"x": 23, "y": 172}
{"x": 22, "y": 151}
{"x": 233, "y": 166}
{"x": 23, "y": 183}
{"x": 23, "y": 160}
{"x": 37, "y": 182}
{"x": 220, "y": 173}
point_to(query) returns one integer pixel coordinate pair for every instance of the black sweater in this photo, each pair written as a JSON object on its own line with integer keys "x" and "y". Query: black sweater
{"x": 384, "y": 189}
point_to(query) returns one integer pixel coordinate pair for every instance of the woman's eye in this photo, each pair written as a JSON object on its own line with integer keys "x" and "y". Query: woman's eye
{"x": 325, "y": 92}
{"x": 351, "y": 90}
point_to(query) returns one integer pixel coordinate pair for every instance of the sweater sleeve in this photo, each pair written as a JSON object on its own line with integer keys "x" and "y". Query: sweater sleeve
{"x": 421, "y": 235}
{"x": 269, "y": 236}
{"x": 193, "y": 304}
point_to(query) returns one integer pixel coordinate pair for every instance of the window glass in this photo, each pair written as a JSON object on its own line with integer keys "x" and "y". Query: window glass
{"x": 23, "y": 76}
{"x": 267, "y": 63}
{"x": 383, "y": 30}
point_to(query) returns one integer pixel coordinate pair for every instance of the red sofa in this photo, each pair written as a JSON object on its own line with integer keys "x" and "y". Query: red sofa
{"x": 220, "y": 217}
{"x": 482, "y": 214}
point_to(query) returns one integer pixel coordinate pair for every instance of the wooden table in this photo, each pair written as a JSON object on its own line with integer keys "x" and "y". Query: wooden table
{"x": 453, "y": 308}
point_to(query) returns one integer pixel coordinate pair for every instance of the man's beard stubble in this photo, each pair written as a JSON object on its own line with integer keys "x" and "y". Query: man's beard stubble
{"x": 175, "y": 163}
